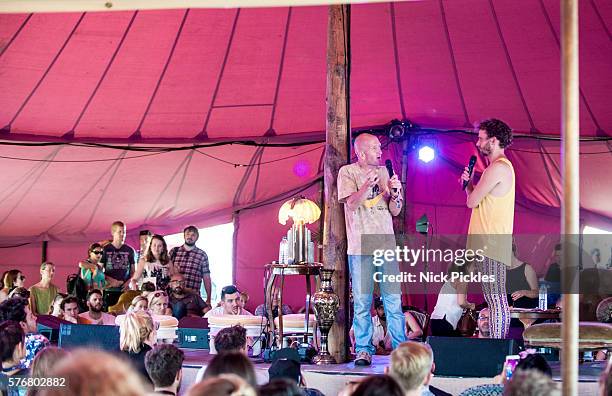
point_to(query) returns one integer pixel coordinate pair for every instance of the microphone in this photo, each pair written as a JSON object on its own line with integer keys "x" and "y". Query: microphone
{"x": 389, "y": 166}
{"x": 470, "y": 170}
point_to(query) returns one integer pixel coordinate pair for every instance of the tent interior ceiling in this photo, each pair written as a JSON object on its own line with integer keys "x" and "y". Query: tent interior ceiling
{"x": 196, "y": 76}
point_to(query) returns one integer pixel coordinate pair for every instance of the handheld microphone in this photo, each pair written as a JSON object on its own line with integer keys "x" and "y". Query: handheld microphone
{"x": 470, "y": 170}
{"x": 389, "y": 166}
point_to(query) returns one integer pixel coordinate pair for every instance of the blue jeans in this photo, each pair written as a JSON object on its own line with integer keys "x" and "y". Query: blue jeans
{"x": 362, "y": 279}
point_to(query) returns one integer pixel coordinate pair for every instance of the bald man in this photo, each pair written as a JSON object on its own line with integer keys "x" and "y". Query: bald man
{"x": 370, "y": 199}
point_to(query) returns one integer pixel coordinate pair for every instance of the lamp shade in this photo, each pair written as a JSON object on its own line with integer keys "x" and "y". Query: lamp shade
{"x": 301, "y": 210}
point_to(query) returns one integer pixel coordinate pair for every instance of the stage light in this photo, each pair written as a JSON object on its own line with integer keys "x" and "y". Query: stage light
{"x": 397, "y": 129}
{"x": 426, "y": 154}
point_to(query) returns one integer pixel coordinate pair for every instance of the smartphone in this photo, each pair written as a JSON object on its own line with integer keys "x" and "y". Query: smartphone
{"x": 511, "y": 362}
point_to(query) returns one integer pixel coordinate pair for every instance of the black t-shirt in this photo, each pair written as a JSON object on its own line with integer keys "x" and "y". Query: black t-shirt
{"x": 118, "y": 262}
{"x": 193, "y": 302}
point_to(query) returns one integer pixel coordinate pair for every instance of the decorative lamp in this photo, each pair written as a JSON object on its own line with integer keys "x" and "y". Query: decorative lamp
{"x": 302, "y": 211}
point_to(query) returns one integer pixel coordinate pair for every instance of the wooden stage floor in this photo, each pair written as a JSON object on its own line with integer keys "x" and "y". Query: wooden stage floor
{"x": 330, "y": 379}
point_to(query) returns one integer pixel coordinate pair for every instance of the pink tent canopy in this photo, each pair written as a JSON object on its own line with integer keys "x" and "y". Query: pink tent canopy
{"x": 165, "y": 118}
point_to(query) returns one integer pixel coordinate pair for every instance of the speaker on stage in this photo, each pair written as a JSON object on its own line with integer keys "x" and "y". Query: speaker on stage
{"x": 470, "y": 357}
{"x": 85, "y": 335}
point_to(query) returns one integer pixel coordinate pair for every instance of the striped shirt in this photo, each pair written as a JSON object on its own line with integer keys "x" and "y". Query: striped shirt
{"x": 192, "y": 264}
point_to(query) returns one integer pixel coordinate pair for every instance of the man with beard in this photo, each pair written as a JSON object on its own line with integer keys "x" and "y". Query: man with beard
{"x": 492, "y": 219}
{"x": 95, "y": 315}
{"x": 185, "y": 302}
{"x": 192, "y": 262}
{"x": 230, "y": 303}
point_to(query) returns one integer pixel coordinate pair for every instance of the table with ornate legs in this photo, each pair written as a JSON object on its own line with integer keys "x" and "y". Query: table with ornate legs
{"x": 276, "y": 270}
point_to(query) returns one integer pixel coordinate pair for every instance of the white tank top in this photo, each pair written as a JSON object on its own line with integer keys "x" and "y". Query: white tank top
{"x": 447, "y": 305}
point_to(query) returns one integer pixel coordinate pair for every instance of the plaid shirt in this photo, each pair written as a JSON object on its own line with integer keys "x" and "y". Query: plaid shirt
{"x": 193, "y": 264}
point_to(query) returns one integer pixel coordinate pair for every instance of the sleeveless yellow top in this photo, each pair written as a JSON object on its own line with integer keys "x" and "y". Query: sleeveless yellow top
{"x": 492, "y": 223}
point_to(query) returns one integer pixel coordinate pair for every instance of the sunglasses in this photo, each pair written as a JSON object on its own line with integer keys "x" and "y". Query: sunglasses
{"x": 97, "y": 252}
{"x": 22, "y": 277}
{"x": 159, "y": 293}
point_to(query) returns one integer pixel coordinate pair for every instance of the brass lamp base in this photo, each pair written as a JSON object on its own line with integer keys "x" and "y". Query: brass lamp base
{"x": 323, "y": 358}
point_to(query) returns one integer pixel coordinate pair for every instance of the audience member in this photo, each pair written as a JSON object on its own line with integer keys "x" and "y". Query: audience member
{"x": 12, "y": 351}
{"x": 280, "y": 387}
{"x": 244, "y": 299}
{"x": 69, "y": 308}
{"x": 95, "y": 373}
{"x": 158, "y": 303}
{"x": 95, "y": 315}
{"x": 11, "y": 280}
{"x": 452, "y": 300}
{"x": 164, "y": 364}
{"x": 139, "y": 303}
{"x": 230, "y": 303}
{"x": 75, "y": 286}
{"x": 232, "y": 363}
{"x": 261, "y": 309}
{"x": 224, "y": 385}
{"x": 46, "y": 359}
{"x": 155, "y": 266}
{"x": 137, "y": 336}
{"x": 118, "y": 262}
{"x": 185, "y": 302}
{"x": 286, "y": 364}
{"x": 231, "y": 339}
{"x": 521, "y": 284}
{"x": 605, "y": 382}
{"x": 144, "y": 239}
{"x": 192, "y": 262}
{"x": 56, "y": 309}
{"x": 17, "y": 309}
{"x": 91, "y": 269}
{"x": 378, "y": 385}
{"x": 43, "y": 293}
{"x": 381, "y": 338}
{"x": 532, "y": 383}
{"x": 147, "y": 288}
{"x": 412, "y": 366}
{"x": 484, "y": 329}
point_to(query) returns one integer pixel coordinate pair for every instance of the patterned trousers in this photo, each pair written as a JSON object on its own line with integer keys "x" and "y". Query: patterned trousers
{"x": 495, "y": 296}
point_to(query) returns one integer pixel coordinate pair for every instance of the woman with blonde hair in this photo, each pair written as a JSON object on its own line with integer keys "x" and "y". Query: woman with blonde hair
{"x": 158, "y": 303}
{"x": 139, "y": 303}
{"x": 137, "y": 336}
{"x": 43, "y": 293}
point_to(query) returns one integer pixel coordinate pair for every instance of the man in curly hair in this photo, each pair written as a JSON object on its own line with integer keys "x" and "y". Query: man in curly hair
{"x": 492, "y": 220}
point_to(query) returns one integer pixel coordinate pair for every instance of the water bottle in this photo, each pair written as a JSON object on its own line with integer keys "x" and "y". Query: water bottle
{"x": 543, "y": 297}
{"x": 282, "y": 251}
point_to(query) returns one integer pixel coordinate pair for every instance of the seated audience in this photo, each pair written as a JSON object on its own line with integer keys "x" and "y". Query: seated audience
{"x": 139, "y": 303}
{"x": 69, "y": 309}
{"x": 158, "y": 303}
{"x": 280, "y": 387}
{"x": 452, "y": 300}
{"x": 147, "y": 288}
{"x": 286, "y": 364}
{"x": 484, "y": 329}
{"x": 46, "y": 359}
{"x": 261, "y": 309}
{"x": 56, "y": 310}
{"x": 185, "y": 302}
{"x": 43, "y": 293}
{"x": 75, "y": 286}
{"x": 232, "y": 363}
{"x": 95, "y": 315}
{"x": 521, "y": 283}
{"x": 378, "y": 385}
{"x": 91, "y": 269}
{"x": 230, "y": 303}
{"x": 11, "y": 280}
{"x": 95, "y": 373}
{"x": 17, "y": 309}
{"x": 137, "y": 336}
{"x": 381, "y": 338}
{"x": 231, "y": 339}
{"x": 412, "y": 366}
{"x": 154, "y": 266}
{"x": 532, "y": 383}
{"x": 164, "y": 364}
{"x": 223, "y": 385}
{"x": 12, "y": 351}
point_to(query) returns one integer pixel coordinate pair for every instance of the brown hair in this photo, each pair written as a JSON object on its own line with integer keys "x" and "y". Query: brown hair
{"x": 163, "y": 257}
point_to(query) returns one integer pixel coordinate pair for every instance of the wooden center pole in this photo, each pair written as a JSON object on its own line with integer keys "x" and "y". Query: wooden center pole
{"x": 336, "y": 155}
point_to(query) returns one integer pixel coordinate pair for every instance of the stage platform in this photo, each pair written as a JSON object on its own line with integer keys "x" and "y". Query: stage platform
{"x": 330, "y": 379}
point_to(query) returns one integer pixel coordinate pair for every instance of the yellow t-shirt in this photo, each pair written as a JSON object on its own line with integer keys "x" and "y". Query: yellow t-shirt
{"x": 492, "y": 223}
